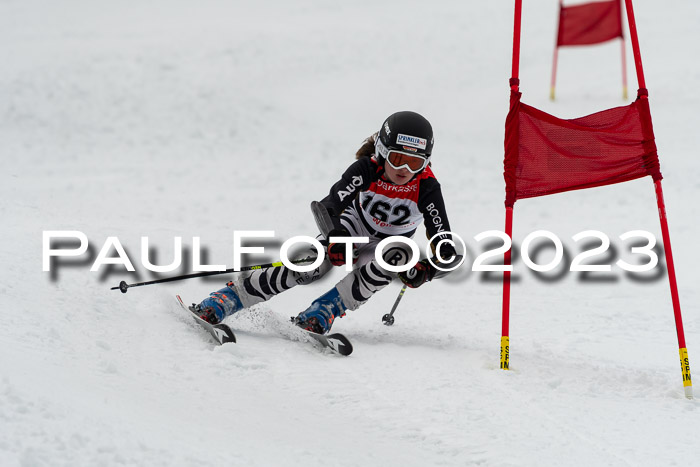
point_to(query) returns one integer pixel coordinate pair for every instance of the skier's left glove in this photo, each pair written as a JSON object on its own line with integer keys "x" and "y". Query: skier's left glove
{"x": 418, "y": 275}
{"x": 336, "y": 251}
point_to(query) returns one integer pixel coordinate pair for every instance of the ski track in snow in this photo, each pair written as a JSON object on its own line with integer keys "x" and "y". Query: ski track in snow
{"x": 169, "y": 119}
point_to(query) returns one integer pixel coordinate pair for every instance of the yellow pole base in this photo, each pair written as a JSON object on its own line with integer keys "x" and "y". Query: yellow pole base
{"x": 505, "y": 353}
{"x": 624, "y": 92}
{"x": 551, "y": 93}
{"x": 685, "y": 370}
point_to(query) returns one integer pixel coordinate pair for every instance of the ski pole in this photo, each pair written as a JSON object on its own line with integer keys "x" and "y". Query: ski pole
{"x": 388, "y": 319}
{"x": 123, "y": 286}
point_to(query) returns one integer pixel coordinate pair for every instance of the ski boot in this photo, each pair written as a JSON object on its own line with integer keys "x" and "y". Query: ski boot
{"x": 219, "y": 305}
{"x": 320, "y": 315}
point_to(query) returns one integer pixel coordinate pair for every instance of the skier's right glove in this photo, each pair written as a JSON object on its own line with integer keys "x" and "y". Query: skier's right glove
{"x": 336, "y": 251}
{"x": 418, "y": 275}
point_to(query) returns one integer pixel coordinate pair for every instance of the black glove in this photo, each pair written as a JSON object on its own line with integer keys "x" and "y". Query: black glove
{"x": 418, "y": 275}
{"x": 336, "y": 251}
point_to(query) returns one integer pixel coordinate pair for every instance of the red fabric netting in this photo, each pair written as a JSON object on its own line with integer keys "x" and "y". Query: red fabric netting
{"x": 546, "y": 155}
{"x": 590, "y": 23}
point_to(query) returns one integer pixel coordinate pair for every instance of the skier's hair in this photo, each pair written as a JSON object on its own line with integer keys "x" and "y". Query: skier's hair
{"x": 367, "y": 148}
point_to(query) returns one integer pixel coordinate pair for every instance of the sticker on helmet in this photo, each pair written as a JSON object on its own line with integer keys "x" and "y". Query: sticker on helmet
{"x": 413, "y": 141}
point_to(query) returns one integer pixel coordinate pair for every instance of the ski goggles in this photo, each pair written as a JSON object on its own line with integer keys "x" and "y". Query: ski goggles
{"x": 414, "y": 163}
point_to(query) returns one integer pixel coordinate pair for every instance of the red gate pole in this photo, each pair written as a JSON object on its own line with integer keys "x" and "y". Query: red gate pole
{"x": 516, "y": 44}
{"x": 505, "y": 319}
{"x": 682, "y": 350}
{"x": 635, "y": 45}
{"x": 554, "y": 73}
{"x": 624, "y": 57}
{"x": 556, "y": 55}
{"x": 624, "y": 70}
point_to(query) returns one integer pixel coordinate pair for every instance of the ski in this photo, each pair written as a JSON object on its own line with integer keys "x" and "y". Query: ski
{"x": 337, "y": 342}
{"x": 221, "y": 333}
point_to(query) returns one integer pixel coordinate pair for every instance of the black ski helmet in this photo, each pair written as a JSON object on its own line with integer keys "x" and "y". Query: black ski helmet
{"x": 406, "y": 132}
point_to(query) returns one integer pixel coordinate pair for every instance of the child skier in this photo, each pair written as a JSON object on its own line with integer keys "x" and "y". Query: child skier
{"x": 387, "y": 191}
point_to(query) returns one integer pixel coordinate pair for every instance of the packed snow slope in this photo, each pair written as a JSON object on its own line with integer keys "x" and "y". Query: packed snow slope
{"x": 184, "y": 119}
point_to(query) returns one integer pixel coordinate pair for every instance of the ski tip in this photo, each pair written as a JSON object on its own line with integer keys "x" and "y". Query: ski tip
{"x": 224, "y": 334}
{"x": 340, "y": 344}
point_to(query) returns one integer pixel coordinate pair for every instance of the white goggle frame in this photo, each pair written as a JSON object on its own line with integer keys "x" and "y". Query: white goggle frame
{"x": 383, "y": 151}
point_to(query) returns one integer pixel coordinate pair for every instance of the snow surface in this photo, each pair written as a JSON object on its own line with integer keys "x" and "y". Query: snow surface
{"x": 176, "y": 118}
